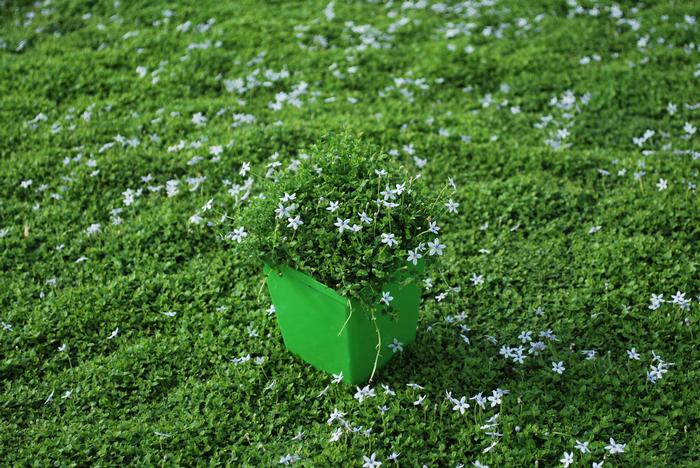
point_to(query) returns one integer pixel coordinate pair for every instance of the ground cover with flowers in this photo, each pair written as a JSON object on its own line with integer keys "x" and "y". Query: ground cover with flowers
{"x": 558, "y": 328}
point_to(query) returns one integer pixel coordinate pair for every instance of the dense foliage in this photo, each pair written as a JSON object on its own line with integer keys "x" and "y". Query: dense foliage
{"x": 347, "y": 215}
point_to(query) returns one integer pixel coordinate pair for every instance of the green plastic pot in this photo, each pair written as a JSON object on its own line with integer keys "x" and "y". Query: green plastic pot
{"x": 334, "y": 334}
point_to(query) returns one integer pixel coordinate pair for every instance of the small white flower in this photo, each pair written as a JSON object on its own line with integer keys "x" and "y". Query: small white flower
{"x": 568, "y": 459}
{"x": 287, "y": 197}
{"x": 207, "y": 206}
{"x": 129, "y": 196}
{"x": 536, "y": 347}
{"x": 335, "y": 435}
{"x": 435, "y": 247}
{"x": 93, "y": 229}
{"x": 413, "y": 256}
{"x": 558, "y": 367}
{"x": 433, "y": 227}
{"x": 289, "y": 459}
{"x": 237, "y": 234}
{"x": 365, "y": 392}
{"x": 171, "y": 189}
{"x": 199, "y": 119}
{"x": 461, "y": 405}
{"x": 283, "y": 212}
{"x": 114, "y": 334}
{"x": 337, "y": 378}
{"x": 477, "y": 279}
{"x": 656, "y": 301}
{"x": 662, "y": 184}
{"x": 452, "y": 206}
{"x": 525, "y": 336}
{"x": 333, "y": 206}
{"x": 335, "y": 415}
{"x": 395, "y": 346}
{"x": 342, "y": 225}
{"x": 680, "y": 300}
{"x": 388, "y": 194}
{"x": 480, "y": 400}
{"x": 386, "y": 298}
{"x": 582, "y": 446}
{"x": 389, "y": 239}
{"x": 245, "y": 167}
{"x": 633, "y": 354}
{"x": 294, "y": 223}
{"x": 419, "y": 401}
{"x": 495, "y": 399}
{"x": 371, "y": 461}
{"x": 364, "y": 218}
{"x": 614, "y": 447}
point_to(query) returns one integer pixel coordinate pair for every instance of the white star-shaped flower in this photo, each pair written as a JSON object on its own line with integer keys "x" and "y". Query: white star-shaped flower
{"x": 558, "y": 367}
{"x": 386, "y": 298}
{"x": 435, "y": 247}
{"x": 294, "y": 223}
{"x": 389, "y": 239}
{"x": 396, "y": 346}
{"x": 413, "y": 256}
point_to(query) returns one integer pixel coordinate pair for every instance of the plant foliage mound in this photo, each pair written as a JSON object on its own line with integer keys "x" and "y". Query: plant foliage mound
{"x": 348, "y": 215}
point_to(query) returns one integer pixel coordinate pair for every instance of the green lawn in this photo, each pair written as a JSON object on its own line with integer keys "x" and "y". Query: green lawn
{"x": 126, "y": 321}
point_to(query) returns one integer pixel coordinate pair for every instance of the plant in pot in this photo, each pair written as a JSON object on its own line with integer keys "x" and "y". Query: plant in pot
{"x": 343, "y": 239}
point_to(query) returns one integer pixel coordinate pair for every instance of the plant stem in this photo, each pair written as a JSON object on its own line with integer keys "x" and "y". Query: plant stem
{"x": 262, "y": 285}
{"x": 347, "y": 319}
{"x": 379, "y": 346}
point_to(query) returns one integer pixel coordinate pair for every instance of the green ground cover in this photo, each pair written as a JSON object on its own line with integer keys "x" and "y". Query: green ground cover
{"x": 130, "y": 333}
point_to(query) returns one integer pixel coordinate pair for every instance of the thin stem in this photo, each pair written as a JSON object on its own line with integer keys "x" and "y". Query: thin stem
{"x": 222, "y": 214}
{"x": 379, "y": 346}
{"x": 347, "y": 319}
{"x": 439, "y": 196}
{"x": 262, "y": 285}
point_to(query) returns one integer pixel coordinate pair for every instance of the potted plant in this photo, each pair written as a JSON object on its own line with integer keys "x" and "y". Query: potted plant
{"x": 343, "y": 238}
